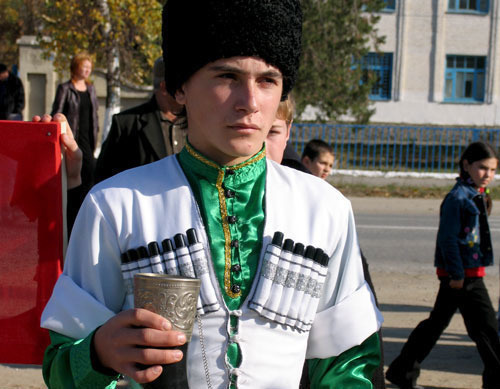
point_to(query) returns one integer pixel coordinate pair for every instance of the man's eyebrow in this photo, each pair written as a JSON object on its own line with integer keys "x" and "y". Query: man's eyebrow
{"x": 236, "y": 70}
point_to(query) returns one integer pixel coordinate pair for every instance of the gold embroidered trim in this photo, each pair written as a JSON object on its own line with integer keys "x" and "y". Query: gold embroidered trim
{"x": 227, "y": 237}
{"x": 206, "y": 161}
{"x": 257, "y": 158}
{"x": 223, "y": 212}
{"x": 200, "y": 157}
{"x": 225, "y": 224}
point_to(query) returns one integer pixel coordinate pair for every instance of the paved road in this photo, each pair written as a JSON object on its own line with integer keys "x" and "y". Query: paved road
{"x": 400, "y": 234}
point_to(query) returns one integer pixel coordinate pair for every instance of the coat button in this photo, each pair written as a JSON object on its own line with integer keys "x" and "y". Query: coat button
{"x": 232, "y": 219}
{"x": 229, "y": 193}
{"x": 235, "y": 243}
{"x": 229, "y": 172}
{"x": 236, "y": 268}
{"x": 235, "y": 288}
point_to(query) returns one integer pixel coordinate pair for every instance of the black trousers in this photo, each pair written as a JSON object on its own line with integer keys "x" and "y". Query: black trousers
{"x": 474, "y": 304}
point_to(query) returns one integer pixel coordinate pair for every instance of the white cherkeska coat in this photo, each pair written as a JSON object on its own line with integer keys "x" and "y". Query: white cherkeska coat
{"x": 155, "y": 202}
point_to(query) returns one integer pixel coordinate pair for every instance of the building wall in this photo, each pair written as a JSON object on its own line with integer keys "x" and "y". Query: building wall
{"x": 420, "y": 33}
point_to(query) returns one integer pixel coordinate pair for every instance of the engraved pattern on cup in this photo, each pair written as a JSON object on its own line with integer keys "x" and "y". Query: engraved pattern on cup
{"x": 173, "y": 297}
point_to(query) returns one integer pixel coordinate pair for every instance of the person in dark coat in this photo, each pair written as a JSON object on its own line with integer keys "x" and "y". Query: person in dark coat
{"x": 77, "y": 100}
{"x": 142, "y": 134}
{"x": 11, "y": 95}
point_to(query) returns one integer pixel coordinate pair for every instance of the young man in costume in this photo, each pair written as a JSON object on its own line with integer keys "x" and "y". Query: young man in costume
{"x": 280, "y": 265}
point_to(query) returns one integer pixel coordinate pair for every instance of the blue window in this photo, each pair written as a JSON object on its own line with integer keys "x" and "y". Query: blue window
{"x": 468, "y": 5}
{"x": 390, "y": 5}
{"x": 381, "y": 65}
{"x": 464, "y": 78}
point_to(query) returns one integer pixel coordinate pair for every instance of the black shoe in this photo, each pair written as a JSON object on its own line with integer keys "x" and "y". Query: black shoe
{"x": 401, "y": 381}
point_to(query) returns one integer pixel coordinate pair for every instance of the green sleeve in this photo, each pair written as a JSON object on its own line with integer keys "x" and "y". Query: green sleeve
{"x": 67, "y": 363}
{"x": 351, "y": 369}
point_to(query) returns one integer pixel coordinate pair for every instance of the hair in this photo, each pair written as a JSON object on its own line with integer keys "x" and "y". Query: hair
{"x": 476, "y": 151}
{"x": 315, "y": 147}
{"x": 3, "y": 68}
{"x": 286, "y": 110}
{"x": 158, "y": 73}
{"x": 77, "y": 61}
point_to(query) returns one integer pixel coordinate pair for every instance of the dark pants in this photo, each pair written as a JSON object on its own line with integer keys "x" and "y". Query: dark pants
{"x": 474, "y": 304}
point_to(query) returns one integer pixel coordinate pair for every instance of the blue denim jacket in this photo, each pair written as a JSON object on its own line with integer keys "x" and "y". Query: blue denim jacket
{"x": 458, "y": 241}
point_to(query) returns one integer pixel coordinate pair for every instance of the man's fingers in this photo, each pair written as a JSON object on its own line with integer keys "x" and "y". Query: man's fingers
{"x": 59, "y": 117}
{"x": 69, "y": 142}
{"x": 46, "y": 118}
{"x": 153, "y": 338}
{"x": 139, "y": 317}
{"x": 156, "y": 356}
{"x": 143, "y": 376}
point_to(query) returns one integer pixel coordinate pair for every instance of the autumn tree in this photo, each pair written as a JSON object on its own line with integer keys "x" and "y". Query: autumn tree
{"x": 17, "y": 18}
{"x": 336, "y": 35}
{"x": 123, "y": 35}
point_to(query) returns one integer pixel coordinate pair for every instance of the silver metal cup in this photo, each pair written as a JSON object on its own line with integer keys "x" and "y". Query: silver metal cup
{"x": 173, "y": 297}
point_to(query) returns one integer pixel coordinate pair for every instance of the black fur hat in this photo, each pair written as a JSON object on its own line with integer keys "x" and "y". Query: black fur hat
{"x": 197, "y": 32}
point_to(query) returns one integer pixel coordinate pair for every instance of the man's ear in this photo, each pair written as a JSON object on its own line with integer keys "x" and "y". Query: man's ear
{"x": 306, "y": 161}
{"x": 180, "y": 96}
{"x": 288, "y": 128}
{"x": 163, "y": 88}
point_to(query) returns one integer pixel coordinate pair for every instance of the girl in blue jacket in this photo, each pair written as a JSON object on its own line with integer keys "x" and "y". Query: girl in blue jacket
{"x": 463, "y": 249}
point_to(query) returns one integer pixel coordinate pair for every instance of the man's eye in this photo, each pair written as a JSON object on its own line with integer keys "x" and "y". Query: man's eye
{"x": 228, "y": 76}
{"x": 270, "y": 81}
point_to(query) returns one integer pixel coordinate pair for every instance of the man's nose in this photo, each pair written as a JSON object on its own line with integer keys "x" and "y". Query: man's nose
{"x": 247, "y": 99}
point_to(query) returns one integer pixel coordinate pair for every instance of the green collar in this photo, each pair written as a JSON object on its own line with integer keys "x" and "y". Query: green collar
{"x": 246, "y": 171}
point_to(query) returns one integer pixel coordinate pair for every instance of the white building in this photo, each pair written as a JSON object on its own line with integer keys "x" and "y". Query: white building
{"x": 440, "y": 63}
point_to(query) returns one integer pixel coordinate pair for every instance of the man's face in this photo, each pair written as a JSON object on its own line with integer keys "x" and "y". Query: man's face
{"x": 231, "y": 105}
{"x": 276, "y": 139}
{"x": 4, "y": 75}
{"x": 321, "y": 166}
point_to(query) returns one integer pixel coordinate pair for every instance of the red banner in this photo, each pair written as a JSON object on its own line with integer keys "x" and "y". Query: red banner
{"x": 31, "y": 235}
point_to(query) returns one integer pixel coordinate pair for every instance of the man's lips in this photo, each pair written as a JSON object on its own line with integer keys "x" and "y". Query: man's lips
{"x": 244, "y": 126}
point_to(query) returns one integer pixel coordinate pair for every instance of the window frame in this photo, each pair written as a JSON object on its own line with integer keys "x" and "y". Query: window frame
{"x": 478, "y": 73}
{"x": 454, "y": 6}
{"x": 389, "y": 7}
{"x": 384, "y": 69}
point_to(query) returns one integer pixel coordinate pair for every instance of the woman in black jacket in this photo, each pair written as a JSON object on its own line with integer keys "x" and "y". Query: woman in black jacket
{"x": 77, "y": 100}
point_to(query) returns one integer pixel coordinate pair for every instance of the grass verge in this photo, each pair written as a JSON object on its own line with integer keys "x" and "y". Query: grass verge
{"x": 404, "y": 191}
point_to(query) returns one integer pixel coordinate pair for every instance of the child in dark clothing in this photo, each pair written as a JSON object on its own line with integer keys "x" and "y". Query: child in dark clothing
{"x": 463, "y": 249}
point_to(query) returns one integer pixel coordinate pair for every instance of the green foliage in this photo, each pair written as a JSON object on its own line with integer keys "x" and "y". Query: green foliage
{"x": 336, "y": 34}
{"x": 17, "y": 18}
{"x": 79, "y": 25}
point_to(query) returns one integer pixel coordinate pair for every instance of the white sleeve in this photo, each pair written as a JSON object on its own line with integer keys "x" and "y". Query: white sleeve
{"x": 347, "y": 314}
{"x": 91, "y": 289}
